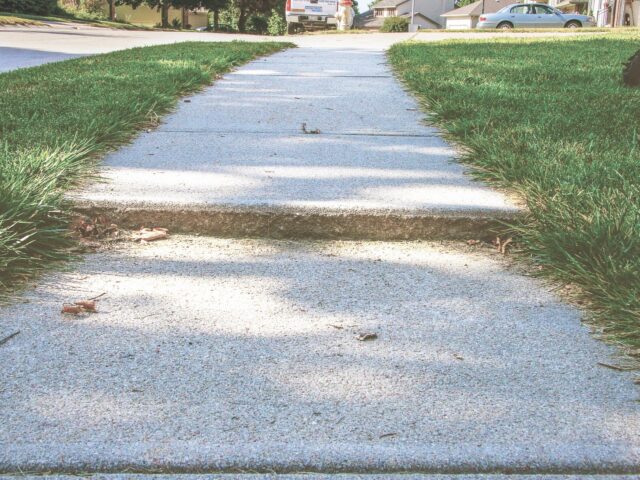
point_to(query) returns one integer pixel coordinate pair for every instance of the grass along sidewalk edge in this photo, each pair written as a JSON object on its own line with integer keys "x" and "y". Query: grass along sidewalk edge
{"x": 56, "y": 121}
{"x": 550, "y": 120}
{"x": 10, "y": 20}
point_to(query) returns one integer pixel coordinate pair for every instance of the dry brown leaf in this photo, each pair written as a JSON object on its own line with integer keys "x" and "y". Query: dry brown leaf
{"x": 473, "y": 242}
{"x": 366, "y": 337}
{"x": 72, "y": 309}
{"x": 505, "y": 244}
{"x": 145, "y": 235}
{"x": 88, "y": 305}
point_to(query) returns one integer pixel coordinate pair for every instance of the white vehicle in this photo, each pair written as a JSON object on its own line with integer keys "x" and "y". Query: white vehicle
{"x": 310, "y": 14}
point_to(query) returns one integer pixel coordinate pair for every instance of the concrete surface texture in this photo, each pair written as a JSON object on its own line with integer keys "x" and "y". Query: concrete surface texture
{"x": 316, "y": 476}
{"x": 242, "y": 143}
{"x": 219, "y": 354}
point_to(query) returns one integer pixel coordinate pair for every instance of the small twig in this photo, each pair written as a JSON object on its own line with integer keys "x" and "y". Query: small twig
{"x": 613, "y": 367}
{"x": 98, "y": 296}
{"x": 6, "y": 339}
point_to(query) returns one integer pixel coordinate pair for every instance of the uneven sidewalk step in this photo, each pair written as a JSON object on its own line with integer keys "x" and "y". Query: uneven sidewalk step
{"x": 279, "y": 148}
{"x": 317, "y": 476}
{"x": 219, "y": 355}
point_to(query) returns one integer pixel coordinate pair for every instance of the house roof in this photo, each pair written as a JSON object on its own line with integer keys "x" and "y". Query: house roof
{"x": 418, "y": 14}
{"x": 475, "y": 9}
{"x": 388, "y": 3}
{"x": 368, "y": 20}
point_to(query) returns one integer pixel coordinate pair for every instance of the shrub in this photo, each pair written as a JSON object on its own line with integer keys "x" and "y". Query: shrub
{"x": 39, "y": 7}
{"x": 95, "y": 7}
{"x": 85, "y": 9}
{"x": 257, "y": 24}
{"x": 277, "y": 25}
{"x": 395, "y": 24}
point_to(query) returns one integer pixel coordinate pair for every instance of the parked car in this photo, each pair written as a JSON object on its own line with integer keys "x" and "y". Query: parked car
{"x": 310, "y": 14}
{"x": 533, "y": 15}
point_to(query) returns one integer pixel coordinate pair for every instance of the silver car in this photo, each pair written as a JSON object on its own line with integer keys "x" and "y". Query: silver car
{"x": 533, "y": 15}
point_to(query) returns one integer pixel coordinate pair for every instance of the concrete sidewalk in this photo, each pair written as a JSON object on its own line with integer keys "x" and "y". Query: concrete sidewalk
{"x": 239, "y": 148}
{"x": 219, "y": 355}
{"x": 224, "y": 355}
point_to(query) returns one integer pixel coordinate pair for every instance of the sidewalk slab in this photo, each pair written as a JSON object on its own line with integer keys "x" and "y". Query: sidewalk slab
{"x": 315, "y": 476}
{"x": 214, "y": 355}
{"x": 245, "y": 144}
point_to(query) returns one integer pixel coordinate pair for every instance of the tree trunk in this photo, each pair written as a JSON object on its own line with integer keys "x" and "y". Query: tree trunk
{"x": 216, "y": 19}
{"x": 165, "y": 14}
{"x": 242, "y": 21}
{"x": 112, "y": 10}
{"x": 185, "y": 18}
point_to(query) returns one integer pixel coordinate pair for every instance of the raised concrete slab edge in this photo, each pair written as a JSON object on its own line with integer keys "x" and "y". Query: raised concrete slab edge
{"x": 316, "y": 476}
{"x": 205, "y": 457}
{"x": 308, "y": 223}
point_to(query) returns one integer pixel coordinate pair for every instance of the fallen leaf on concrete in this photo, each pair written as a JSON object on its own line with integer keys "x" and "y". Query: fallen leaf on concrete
{"x": 91, "y": 231}
{"x": 505, "y": 244}
{"x": 365, "y": 337}
{"x": 88, "y": 305}
{"x": 390, "y": 434}
{"x": 458, "y": 356}
{"x": 315, "y": 131}
{"x": 72, "y": 309}
{"x": 502, "y": 246}
{"x": 145, "y": 235}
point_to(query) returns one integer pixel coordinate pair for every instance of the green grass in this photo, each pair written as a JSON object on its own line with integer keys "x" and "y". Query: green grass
{"x": 550, "y": 120}
{"x": 56, "y": 120}
{"x": 68, "y": 17}
{"x": 6, "y": 20}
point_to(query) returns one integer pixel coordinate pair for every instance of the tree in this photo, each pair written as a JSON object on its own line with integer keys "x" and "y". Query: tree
{"x": 215, "y": 6}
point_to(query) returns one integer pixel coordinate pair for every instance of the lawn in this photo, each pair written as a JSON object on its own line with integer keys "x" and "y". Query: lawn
{"x": 57, "y": 119}
{"x": 38, "y": 20}
{"x": 550, "y": 120}
{"x": 8, "y": 19}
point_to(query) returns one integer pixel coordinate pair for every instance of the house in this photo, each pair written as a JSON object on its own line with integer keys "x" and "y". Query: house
{"x": 467, "y": 17}
{"x": 427, "y": 13}
{"x": 144, "y": 15}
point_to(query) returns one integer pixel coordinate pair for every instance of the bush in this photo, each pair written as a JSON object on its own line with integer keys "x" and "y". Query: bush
{"x": 257, "y": 24}
{"x": 39, "y": 7}
{"x": 95, "y": 7}
{"x": 85, "y": 9}
{"x": 395, "y": 24}
{"x": 277, "y": 25}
